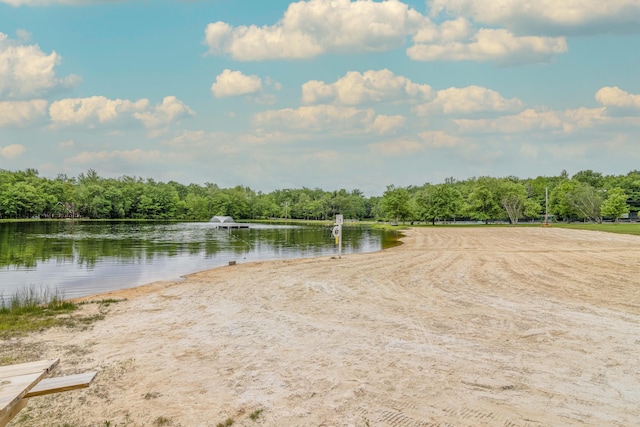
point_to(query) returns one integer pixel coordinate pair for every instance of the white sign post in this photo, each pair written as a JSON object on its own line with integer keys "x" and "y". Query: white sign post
{"x": 337, "y": 233}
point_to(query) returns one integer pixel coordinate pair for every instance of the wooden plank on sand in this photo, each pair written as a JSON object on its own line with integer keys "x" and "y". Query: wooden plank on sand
{"x": 60, "y": 384}
{"x": 16, "y": 381}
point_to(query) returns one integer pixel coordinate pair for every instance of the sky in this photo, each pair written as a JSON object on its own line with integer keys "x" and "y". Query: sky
{"x": 323, "y": 94}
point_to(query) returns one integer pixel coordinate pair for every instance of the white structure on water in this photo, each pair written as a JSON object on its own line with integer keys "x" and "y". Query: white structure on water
{"x": 226, "y": 222}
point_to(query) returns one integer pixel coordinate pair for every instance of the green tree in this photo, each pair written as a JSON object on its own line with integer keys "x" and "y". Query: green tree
{"x": 439, "y": 202}
{"x": 513, "y": 198}
{"x": 375, "y": 208}
{"x": 196, "y": 207}
{"x": 62, "y": 188}
{"x": 90, "y": 202}
{"x": 319, "y": 207}
{"x": 115, "y": 196}
{"x": 220, "y": 203}
{"x": 538, "y": 187}
{"x": 265, "y": 206}
{"x": 160, "y": 201}
{"x": 587, "y": 202}
{"x": 575, "y": 199}
{"x": 560, "y": 200}
{"x": 532, "y": 208}
{"x": 630, "y": 183}
{"x": 616, "y": 204}
{"x": 240, "y": 202}
{"x": 481, "y": 203}
{"x": 20, "y": 199}
{"x": 350, "y": 204}
{"x": 395, "y": 203}
{"x": 589, "y": 177}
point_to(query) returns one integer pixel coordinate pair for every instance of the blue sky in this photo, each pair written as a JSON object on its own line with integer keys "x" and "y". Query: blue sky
{"x": 319, "y": 93}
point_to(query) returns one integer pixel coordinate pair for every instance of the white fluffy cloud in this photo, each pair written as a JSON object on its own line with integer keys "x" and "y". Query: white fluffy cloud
{"x": 93, "y": 111}
{"x": 131, "y": 156}
{"x": 67, "y": 144}
{"x": 614, "y": 97}
{"x": 235, "y": 83}
{"x": 471, "y": 99}
{"x": 224, "y": 142}
{"x": 547, "y": 16}
{"x": 170, "y": 110}
{"x": 97, "y": 110}
{"x": 23, "y": 34}
{"x": 26, "y": 71}
{"x": 314, "y": 27}
{"x": 397, "y": 147}
{"x": 371, "y": 86}
{"x": 439, "y": 139}
{"x": 384, "y": 125}
{"x": 531, "y": 120}
{"x": 22, "y": 113}
{"x": 495, "y": 45}
{"x": 448, "y": 31}
{"x": 407, "y": 146}
{"x": 12, "y": 151}
{"x": 310, "y": 28}
{"x": 384, "y": 86}
{"x": 319, "y": 118}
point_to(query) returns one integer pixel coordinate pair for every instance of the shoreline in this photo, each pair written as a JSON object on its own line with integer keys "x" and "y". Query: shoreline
{"x": 157, "y": 285}
{"x": 454, "y": 326}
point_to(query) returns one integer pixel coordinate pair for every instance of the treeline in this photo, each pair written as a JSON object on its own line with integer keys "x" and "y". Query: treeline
{"x": 587, "y": 195}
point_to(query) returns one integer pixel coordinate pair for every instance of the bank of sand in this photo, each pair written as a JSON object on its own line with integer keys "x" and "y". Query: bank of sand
{"x": 457, "y": 327}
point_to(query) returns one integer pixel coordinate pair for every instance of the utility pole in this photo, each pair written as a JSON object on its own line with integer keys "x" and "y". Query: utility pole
{"x": 546, "y": 201}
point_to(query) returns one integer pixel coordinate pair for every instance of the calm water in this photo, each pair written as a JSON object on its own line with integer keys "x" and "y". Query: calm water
{"x": 84, "y": 258}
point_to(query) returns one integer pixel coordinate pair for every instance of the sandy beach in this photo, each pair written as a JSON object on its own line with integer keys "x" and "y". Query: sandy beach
{"x": 456, "y": 327}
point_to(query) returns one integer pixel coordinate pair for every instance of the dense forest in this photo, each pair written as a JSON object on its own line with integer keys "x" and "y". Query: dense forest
{"x": 585, "y": 196}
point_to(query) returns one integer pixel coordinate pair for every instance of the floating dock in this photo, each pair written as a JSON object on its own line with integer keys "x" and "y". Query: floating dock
{"x": 226, "y": 222}
{"x": 230, "y": 225}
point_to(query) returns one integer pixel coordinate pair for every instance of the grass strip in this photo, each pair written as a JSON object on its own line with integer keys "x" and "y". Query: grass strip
{"x": 620, "y": 228}
{"x": 29, "y": 310}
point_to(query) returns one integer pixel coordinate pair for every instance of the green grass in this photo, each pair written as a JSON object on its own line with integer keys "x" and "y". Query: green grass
{"x": 387, "y": 226}
{"x": 620, "y": 228}
{"x": 104, "y": 302}
{"x": 31, "y": 310}
{"x": 162, "y": 421}
{"x": 256, "y": 414}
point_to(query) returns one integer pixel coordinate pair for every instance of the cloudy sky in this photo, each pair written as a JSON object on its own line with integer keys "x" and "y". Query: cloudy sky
{"x": 319, "y": 93}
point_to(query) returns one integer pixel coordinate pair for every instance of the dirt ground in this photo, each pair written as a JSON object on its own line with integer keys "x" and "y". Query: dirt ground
{"x": 456, "y": 327}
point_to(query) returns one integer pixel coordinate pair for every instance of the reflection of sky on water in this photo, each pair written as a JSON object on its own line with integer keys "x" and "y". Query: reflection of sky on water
{"x": 108, "y": 274}
{"x": 167, "y": 252}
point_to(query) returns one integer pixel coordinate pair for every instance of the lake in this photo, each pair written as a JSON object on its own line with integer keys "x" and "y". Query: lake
{"x": 80, "y": 258}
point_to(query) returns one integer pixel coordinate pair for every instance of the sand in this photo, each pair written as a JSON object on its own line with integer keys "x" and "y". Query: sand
{"x": 456, "y": 327}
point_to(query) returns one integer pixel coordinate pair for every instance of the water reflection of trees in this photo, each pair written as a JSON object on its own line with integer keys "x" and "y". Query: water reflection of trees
{"x": 24, "y": 245}
{"x": 18, "y": 248}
